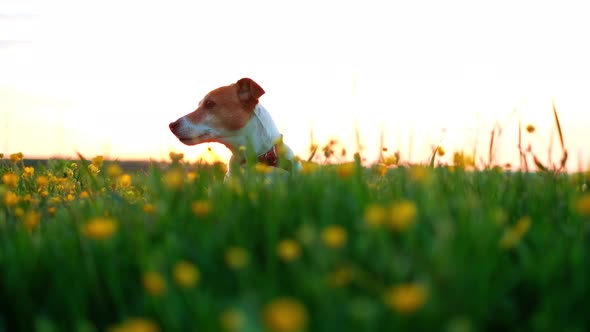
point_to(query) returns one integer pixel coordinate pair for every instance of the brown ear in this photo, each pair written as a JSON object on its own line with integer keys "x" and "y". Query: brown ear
{"x": 249, "y": 91}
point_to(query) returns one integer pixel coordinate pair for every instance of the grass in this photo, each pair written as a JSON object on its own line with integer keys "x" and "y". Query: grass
{"x": 90, "y": 246}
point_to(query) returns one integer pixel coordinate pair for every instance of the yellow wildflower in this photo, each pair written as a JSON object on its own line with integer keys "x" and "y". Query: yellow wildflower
{"x": 97, "y": 161}
{"x": 10, "y": 180}
{"x": 232, "y": 320}
{"x": 69, "y": 197}
{"x": 176, "y": 157}
{"x": 154, "y": 283}
{"x": 513, "y": 235}
{"x": 31, "y": 219}
{"x": 402, "y": 215}
{"x": 174, "y": 179}
{"x": 149, "y": 208}
{"x": 406, "y": 298}
{"x": 440, "y": 151}
{"x": 16, "y": 157}
{"x": 114, "y": 171}
{"x": 419, "y": 174}
{"x": 51, "y": 210}
{"x": 308, "y": 167}
{"x": 263, "y": 168}
{"x": 285, "y": 315}
{"x": 346, "y": 170}
{"x": 375, "y": 215}
{"x": 381, "y": 169}
{"x": 583, "y": 205}
{"x": 28, "y": 171}
{"x": 202, "y": 208}
{"x": 42, "y": 181}
{"x": 135, "y": 325}
{"x": 530, "y": 128}
{"x": 334, "y": 236}
{"x": 186, "y": 274}
{"x": 84, "y": 195}
{"x": 288, "y": 250}
{"x": 93, "y": 169}
{"x": 10, "y": 198}
{"x": 99, "y": 228}
{"x": 237, "y": 258}
{"x": 19, "y": 212}
{"x": 460, "y": 159}
{"x": 191, "y": 176}
{"x": 124, "y": 180}
{"x": 69, "y": 172}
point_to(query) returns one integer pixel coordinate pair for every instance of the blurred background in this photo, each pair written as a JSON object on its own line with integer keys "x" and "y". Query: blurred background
{"x": 106, "y": 78}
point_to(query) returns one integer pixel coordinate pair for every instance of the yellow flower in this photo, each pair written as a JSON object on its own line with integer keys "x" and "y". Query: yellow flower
{"x": 93, "y": 169}
{"x": 440, "y": 151}
{"x": 583, "y": 205}
{"x": 174, "y": 179}
{"x": 28, "y": 171}
{"x": 375, "y": 215}
{"x": 334, "y": 236}
{"x": 97, "y": 161}
{"x": 135, "y": 325}
{"x": 42, "y": 181}
{"x": 263, "y": 168}
{"x": 16, "y": 157}
{"x": 402, "y": 215}
{"x": 149, "y": 208}
{"x": 176, "y": 157}
{"x": 99, "y": 228}
{"x": 285, "y": 315}
{"x": 346, "y": 170}
{"x": 84, "y": 195}
{"x": 513, "y": 235}
{"x": 232, "y": 320}
{"x": 460, "y": 159}
{"x": 124, "y": 180}
{"x": 381, "y": 169}
{"x": 31, "y": 219}
{"x": 202, "y": 208}
{"x": 419, "y": 174}
{"x": 530, "y": 128}
{"x": 288, "y": 250}
{"x": 308, "y": 167}
{"x": 114, "y": 171}
{"x": 51, "y": 210}
{"x": 406, "y": 298}
{"x": 10, "y": 180}
{"x": 186, "y": 274}
{"x": 10, "y": 198}
{"x": 191, "y": 176}
{"x": 237, "y": 258}
{"x": 154, "y": 283}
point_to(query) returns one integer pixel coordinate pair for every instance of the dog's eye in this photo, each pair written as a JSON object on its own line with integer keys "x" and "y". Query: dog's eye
{"x": 209, "y": 104}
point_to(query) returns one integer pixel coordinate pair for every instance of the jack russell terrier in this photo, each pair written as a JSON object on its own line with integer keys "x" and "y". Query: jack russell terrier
{"x": 231, "y": 115}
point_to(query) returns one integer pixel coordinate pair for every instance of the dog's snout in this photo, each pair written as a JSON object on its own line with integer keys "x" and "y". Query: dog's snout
{"x": 174, "y": 125}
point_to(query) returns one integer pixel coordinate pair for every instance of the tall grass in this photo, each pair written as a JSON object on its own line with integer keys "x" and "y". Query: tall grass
{"x": 88, "y": 246}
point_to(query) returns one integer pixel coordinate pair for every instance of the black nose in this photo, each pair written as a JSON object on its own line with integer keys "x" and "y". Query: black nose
{"x": 173, "y": 125}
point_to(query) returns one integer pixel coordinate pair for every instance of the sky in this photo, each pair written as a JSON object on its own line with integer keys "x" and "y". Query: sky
{"x": 106, "y": 78}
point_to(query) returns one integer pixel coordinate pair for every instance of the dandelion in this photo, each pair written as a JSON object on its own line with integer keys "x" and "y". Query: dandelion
{"x": 406, "y": 298}
{"x": 440, "y": 151}
{"x": 381, "y": 169}
{"x": 513, "y": 235}
{"x": 308, "y": 167}
{"x": 154, "y": 283}
{"x": 19, "y": 212}
{"x": 186, "y": 274}
{"x": 114, "y": 171}
{"x": 583, "y": 205}
{"x": 237, "y": 258}
{"x": 232, "y": 320}
{"x": 135, "y": 325}
{"x": 174, "y": 179}
{"x": 530, "y": 129}
{"x": 99, "y": 228}
{"x": 149, "y": 208}
{"x": 202, "y": 208}
{"x": 191, "y": 176}
{"x": 334, "y": 236}
{"x": 10, "y": 180}
{"x": 28, "y": 171}
{"x": 263, "y": 168}
{"x": 346, "y": 170}
{"x": 419, "y": 174}
{"x": 461, "y": 159}
{"x": 124, "y": 180}
{"x": 10, "y": 198}
{"x": 93, "y": 169}
{"x": 51, "y": 210}
{"x": 375, "y": 215}
{"x": 402, "y": 215}
{"x": 288, "y": 250}
{"x": 16, "y": 157}
{"x": 84, "y": 195}
{"x": 285, "y": 315}
{"x": 31, "y": 219}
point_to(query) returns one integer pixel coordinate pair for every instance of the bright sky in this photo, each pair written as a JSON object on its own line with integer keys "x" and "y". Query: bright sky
{"x": 107, "y": 77}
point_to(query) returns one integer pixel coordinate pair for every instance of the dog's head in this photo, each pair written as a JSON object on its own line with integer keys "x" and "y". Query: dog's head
{"x": 221, "y": 112}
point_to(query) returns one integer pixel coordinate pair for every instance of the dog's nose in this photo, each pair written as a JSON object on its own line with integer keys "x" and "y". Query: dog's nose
{"x": 173, "y": 125}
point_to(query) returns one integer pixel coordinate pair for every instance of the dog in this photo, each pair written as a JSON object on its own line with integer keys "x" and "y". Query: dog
{"x": 233, "y": 116}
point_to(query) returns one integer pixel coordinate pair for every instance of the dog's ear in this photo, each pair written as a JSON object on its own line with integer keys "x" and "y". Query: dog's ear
{"x": 249, "y": 91}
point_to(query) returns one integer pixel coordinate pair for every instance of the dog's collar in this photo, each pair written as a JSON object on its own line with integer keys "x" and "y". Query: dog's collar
{"x": 269, "y": 158}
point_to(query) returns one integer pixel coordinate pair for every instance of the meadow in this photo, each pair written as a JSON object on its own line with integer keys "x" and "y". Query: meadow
{"x": 88, "y": 245}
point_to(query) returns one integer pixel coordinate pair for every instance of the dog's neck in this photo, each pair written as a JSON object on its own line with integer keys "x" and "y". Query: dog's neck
{"x": 258, "y": 136}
